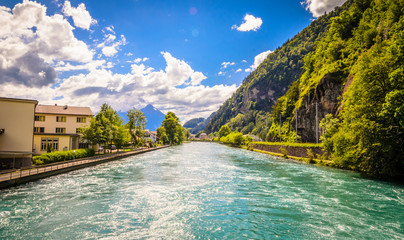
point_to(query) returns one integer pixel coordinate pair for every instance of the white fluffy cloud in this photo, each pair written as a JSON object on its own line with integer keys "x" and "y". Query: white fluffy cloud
{"x": 30, "y": 42}
{"x": 81, "y": 17}
{"x": 258, "y": 60}
{"x": 31, "y": 54}
{"x": 226, "y": 64}
{"x": 239, "y": 70}
{"x": 250, "y": 23}
{"x": 109, "y": 47}
{"x": 177, "y": 88}
{"x": 319, "y": 7}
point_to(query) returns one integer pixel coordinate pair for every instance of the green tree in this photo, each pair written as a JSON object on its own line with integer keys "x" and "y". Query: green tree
{"x": 162, "y": 135}
{"x": 136, "y": 124}
{"x": 121, "y": 136}
{"x": 173, "y": 128}
{"x": 106, "y": 128}
{"x": 224, "y": 131}
{"x": 187, "y": 133}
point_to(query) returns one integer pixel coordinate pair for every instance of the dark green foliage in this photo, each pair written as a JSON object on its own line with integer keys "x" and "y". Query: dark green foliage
{"x": 106, "y": 128}
{"x": 62, "y": 156}
{"x": 362, "y": 41}
{"x": 136, "y": 125}
{"x": 173, "y": 129}
{"x": 365, "y": 42}
{"x": 283, "y": 111}
{"x": 162, "y": 135}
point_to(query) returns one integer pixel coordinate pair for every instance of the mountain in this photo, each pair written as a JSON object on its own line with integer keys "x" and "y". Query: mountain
{"x": 346, "y": 70}
{"x": 196, "y": 125}
{"x": 123, "y": 116}
{"x": 353, "y": 82}
{"x": 154, "y": 117}
{"x": 251, "y": 104}
{"x": 193, "y": 122}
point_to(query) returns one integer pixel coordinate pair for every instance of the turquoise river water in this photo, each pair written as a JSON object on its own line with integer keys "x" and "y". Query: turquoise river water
{"x": 203, "y": 191}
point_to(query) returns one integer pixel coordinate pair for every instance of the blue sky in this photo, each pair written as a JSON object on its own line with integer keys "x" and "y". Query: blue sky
{"x": 181, "y": 56}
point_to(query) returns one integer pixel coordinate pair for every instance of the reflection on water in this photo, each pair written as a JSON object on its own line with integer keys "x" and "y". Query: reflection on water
{"x": 203, "y": 190}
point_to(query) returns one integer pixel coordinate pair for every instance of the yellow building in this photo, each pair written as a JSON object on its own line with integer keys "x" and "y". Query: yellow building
{"x": 16, "y": 132}
{"x": 57, "y": 127}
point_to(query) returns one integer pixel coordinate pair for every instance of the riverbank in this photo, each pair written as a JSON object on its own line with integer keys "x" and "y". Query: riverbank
{"x": 305, "y": 152}
{"x": 20, "y": 176}
{"x": 296, "y": 150}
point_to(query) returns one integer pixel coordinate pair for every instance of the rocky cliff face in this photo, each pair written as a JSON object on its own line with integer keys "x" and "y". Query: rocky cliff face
{"x": 326, "y": 97}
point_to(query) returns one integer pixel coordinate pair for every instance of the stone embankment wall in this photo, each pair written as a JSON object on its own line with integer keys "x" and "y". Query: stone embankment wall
{"x": 290, "y": 150}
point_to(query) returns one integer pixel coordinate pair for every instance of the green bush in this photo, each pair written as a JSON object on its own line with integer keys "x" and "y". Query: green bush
{"x": 234, "y": 138}
{"x": 53, "y": 157}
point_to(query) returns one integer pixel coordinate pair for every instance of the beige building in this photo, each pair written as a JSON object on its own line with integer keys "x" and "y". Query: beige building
{"x": 204, "y": 136}
{"x": 16, "y": 132}
{"x": 58, "y": 127}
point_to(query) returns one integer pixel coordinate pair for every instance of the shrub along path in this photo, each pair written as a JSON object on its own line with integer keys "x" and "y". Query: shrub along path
{"x": 19, "y": 176}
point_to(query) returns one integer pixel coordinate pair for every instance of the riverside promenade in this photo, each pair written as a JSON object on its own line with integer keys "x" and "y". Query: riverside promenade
{"x": 19, "y": 176}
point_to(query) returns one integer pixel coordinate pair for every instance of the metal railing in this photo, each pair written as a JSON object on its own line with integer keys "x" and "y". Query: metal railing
{"x": 28, "y": 171}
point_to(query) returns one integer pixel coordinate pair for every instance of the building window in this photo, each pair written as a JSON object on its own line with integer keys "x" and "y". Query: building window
{"x": 40, "y": 118}
{"x": 60, "y": 130}
{"x": 60, "y": 119}
{"x": 39, "y": 129}
{"x": 83, "y": 145}
{"x": 43, "y": 144}
{"x": 81, "y": 119}
{"x": 52, "y": 143}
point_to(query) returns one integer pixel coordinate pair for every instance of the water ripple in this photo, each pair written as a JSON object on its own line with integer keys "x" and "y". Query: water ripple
{"x": 203, "y": 191}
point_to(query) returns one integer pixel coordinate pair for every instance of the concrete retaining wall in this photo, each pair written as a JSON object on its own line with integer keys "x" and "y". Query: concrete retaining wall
{"x": 291, "y": 151}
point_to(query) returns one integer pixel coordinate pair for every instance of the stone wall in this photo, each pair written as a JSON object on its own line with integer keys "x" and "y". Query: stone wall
{"x": 290, "y": 150}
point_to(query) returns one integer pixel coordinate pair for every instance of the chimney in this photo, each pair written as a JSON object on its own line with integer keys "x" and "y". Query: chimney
{"x": 64, "y": 107}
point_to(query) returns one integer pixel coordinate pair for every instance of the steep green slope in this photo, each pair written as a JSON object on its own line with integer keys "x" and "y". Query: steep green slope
{"x": 193, "y": 122}
{"x": 261, "y": 89}
{"x": 355, "y": 80}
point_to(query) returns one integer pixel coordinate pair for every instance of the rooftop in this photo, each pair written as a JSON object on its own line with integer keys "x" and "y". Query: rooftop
{"x": 18, "y": 100}
{"x": 64, "y": 110}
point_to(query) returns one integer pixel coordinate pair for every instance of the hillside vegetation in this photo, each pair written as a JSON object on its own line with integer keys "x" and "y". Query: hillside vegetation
{"x": 248, "y": 109}
{"x": 358, "y": 56}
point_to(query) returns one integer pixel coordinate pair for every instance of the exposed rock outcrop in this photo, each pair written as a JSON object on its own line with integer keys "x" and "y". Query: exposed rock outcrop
{"x": 326, "y": 97}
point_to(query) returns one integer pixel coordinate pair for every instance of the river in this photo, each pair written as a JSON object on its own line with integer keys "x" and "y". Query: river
{"x": 205, "y": 191}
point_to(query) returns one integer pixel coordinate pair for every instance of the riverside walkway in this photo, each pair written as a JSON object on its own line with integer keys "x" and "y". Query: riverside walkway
{"x": 19, "y": 176}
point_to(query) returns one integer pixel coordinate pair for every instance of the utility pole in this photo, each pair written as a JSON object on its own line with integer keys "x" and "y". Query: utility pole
{"x": 280, "y": 127}
{"x": 316, "y": 123}
{"x": 296, "y": 123}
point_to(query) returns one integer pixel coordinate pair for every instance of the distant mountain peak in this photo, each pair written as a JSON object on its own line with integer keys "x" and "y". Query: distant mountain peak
{"x": 154, "y": 117}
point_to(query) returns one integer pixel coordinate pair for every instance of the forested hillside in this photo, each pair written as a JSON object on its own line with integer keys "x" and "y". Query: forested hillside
{"x": 358, "y": 69}
{"x": 254, "y": 99}
{"x": 352, "y": 81}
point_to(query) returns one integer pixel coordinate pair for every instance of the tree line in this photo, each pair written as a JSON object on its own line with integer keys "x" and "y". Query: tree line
{"x": 108, "y": 128}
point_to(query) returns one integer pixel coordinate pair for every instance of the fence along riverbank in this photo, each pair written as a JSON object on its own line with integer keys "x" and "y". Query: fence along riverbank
{"x": 20, "y": 176}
